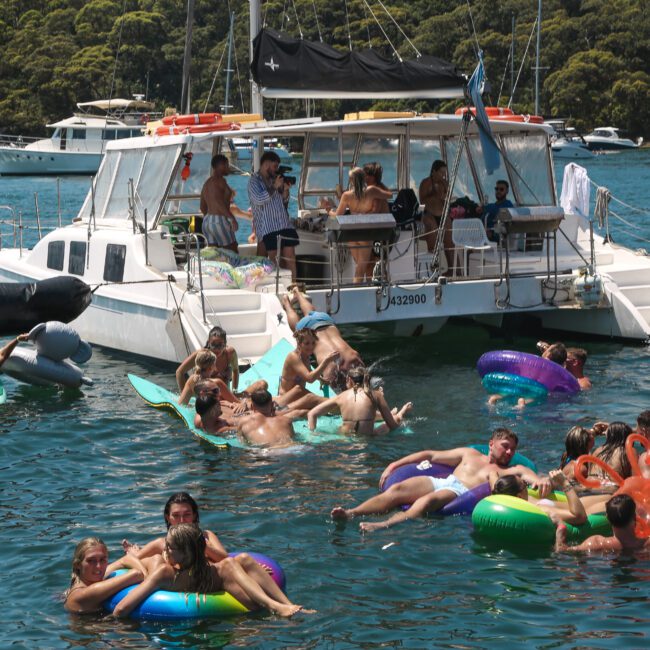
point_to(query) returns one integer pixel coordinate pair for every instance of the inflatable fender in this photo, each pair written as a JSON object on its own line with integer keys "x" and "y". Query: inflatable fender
{"x": 24, "y": 304}
{"x": 29, "y": 367}
{"x": 509, "y": 519}
{"x": 171, "y": 605}
{"x": 59, "y": 341}
{"x": 554, "y": 377}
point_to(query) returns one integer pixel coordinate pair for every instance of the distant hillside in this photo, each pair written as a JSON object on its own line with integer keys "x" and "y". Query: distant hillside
{"x": 594, "y": 55}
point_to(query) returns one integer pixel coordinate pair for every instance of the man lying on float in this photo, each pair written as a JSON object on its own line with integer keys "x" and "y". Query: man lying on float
{"x": 427, "y": 494}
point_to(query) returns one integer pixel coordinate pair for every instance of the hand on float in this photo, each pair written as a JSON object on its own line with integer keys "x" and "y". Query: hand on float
{"x": 21, "y": 338}
{"x": 600, "y": 428}
{"x": 386, "y": 473}
{"x": 558, "y": 479}
{"x": 543, "y": 485}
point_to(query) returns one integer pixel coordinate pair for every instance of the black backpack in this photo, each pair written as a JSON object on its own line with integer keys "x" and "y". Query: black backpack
{"x": 405, "y": 208}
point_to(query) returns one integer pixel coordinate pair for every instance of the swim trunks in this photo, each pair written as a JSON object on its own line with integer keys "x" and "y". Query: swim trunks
{"x": 289, "y": 239}
{"x": 314, "y": 320}
{"x": 450, "y": 483}
{"x": 217, "y": 230}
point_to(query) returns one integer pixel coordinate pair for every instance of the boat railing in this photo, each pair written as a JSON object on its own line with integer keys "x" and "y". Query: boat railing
{"x": 16, "y": 141}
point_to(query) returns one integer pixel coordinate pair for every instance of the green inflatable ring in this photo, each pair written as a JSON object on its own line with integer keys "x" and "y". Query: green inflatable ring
{"x": 505, "y": 518}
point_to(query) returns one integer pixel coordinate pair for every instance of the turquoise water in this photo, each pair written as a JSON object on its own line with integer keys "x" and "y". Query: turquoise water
{"x": 101, "y": 462}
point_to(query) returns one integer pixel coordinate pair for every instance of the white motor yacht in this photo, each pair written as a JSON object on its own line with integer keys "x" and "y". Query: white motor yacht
{"x": 607, "y": 138}
{"x": 78, "y": 142}
{"x": 566, "y": 143}
{"x": 157, "y": 293}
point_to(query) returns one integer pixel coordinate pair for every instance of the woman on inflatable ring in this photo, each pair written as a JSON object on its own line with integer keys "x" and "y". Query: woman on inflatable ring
{"x": 183, "y": 567}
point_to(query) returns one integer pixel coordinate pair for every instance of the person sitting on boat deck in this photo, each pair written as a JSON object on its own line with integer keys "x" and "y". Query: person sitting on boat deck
{"x": 432, "y": 194}
{"x": 183, "y": 567}
{"x": 490, "y": 210}
{"x": 270, "y": 218}
{"x": 427, "y": 494}
{"x": 374, "y": 172}
{"x": 264, "y": 427}
{"x": 297, "y": 370}
{"x": 574, "y": 511}
{"x": 621, "y": 514}
{"x": 360, "y": 199}
{"x": 358, "y": 406}
{"x": 329, "y": 339}
{"x": 219, "y": 223}
{"x": 578, "y": 442}
{"x": 6, "y": 350}
{"x": 89, "y": 585}
{"x": 575, "y": 364}
{"x": 226, "y": 367}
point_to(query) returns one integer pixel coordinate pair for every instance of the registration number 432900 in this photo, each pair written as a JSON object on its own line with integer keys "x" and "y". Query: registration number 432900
{"x": 408, "y": 299}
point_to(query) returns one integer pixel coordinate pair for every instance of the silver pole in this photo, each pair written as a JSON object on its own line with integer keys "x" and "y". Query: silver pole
{"x": 38, "y": 215}
{"x": 231, "y": 36}
{"x": 58, "y": 200}
{"x": 146, "y": 240}
{"x": 539, "y": 40}
{"x": 257, "y": 104}
{"x": 187, "y": 58}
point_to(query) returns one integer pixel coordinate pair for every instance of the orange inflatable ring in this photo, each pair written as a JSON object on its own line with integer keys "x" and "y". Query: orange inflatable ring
{"x": 192, "y": 119}
{"x": 199, "y": 128}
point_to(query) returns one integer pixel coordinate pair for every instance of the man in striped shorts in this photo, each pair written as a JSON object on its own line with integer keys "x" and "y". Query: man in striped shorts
{"x": 219, "y": 223}
{"x": 266, "y": 190}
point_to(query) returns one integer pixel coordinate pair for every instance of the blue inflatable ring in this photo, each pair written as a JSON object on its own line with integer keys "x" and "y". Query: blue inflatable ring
{"x": 172, "y": 605}
{"x": 503, "y": 383}
{"x": 553, "y": 376}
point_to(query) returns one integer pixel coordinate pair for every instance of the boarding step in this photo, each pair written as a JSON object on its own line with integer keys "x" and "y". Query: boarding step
{"x": 637, "y": 294}
{"x": 240, "y": 322}
{"x": 644, "y": 313}
{"x": 250, "y": 346}
{"x": 631, "y": 277}
{"x": 219, "y": 302}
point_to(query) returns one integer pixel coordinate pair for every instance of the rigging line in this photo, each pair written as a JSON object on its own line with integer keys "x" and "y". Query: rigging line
{"x": 214, "y": 79}
{"x": 383, "y": 6}
{"x": 241, "y": 92}
{"x": 471, "y": 20}
{"x": 503, "y": 78}
{"x": 295, "y": 12}
{"x": 367, "y": 22}
{"x": 347, "y": 22}
{"x": 627, "y": 205}
{"x": 523, "y": 60}
{"x": 383, "y": 31}
{"x": 320, "y": 36}
{"x": 117, "y": 56}
{"x": 266, "y": 9}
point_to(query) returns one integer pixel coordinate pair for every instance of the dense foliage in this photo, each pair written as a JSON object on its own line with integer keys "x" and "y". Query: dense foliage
{"x": 594, "y": 55}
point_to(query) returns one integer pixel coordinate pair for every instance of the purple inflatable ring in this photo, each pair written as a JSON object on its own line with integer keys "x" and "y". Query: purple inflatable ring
{"x": 462, "y": 505}
{"x": 553, "y": 376}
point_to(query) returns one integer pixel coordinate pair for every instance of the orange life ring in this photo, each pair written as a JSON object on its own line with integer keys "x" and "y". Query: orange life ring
{"x": 530, "y": 119}
{"x": 493, "y": 112}
{"x": 192, "y": 119}
{"x": 197, "y": 128}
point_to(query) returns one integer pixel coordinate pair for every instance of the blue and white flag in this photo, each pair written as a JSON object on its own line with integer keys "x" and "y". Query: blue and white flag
{"x": 489, "y": 146}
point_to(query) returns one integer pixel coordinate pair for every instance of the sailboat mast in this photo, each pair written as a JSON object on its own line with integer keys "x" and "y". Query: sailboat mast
{"x": 187, "y": 58}
{"x": 231, "y": 35}
{"x": 256, "y": 96}
{"x": 539, "y": 40}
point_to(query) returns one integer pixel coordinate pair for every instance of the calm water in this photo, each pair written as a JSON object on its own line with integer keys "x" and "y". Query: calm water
{"x": 103, "y": 463}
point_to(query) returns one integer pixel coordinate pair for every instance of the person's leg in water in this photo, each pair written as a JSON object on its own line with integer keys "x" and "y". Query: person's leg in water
{"x": 259, "y": 574}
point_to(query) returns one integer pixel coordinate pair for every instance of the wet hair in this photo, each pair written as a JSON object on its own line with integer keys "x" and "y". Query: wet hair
{"x": 204, "y": 402}
{"x": 576, "y": 444}
{"x": 189, "y": 540}
{"x": 556, "y": 353}
{"x": 503, "y": 433}
{"x": 617, "y": 433}
{"x": 219, "y": 158}
{"x": 437, "y": 164}
{"x": 501, "y": 181}
{"x": 357, "y": 181}
{"x": 206, "y": 387}
{"x": 375, "y": 170}
{"x": 261, "y": 398}
{"x": 203, "y": 360}
{"x": 621, "y": 510}
{"x": 510, "y": 484}
{"x": 216, "y": 331}
{"x": 644, "y": 419}
{"x": 78, "y": 557}
{"x": 304, "y": 333}
{"x": 269, "y": 155}
{"x": 579, "y": 354}
{"x": 182, "y": 498}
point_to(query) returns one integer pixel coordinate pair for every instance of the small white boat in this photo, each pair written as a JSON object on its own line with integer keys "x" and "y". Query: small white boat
{"x": 566, "y": 143}
{"x": 607, "y": 138}
{"x": 242, "y": 148}
{"x": 78, "y": 142}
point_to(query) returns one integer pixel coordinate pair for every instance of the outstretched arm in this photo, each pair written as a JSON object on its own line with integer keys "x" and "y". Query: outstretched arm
{"x": 160, "y": 577}
{"x": 234, "y": 364}
{"x": 188, "y": 390}
{"x": 577, "y": 514}
{"x": 322, "y": 408}
{"x": 541, "y": 483}
{"x": 448, "y": 457}
{"x": 593, "y": 543}
{"x": 6, "y": 351}
{"x": 214, "y": 549}
{"x": 90, "y": 598}
{"x": 183, "y": 369}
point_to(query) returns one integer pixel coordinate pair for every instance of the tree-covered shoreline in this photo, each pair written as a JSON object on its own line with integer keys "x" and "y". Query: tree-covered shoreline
{"x": 594, "y": 55}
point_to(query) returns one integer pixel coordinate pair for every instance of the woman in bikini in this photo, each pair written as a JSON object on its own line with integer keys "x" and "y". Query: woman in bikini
{"x": 297, "y": 370}
{"x": 358, "y": 406}
{"x": 226, "y": 366}
{"x": 359, "y": 199}
{"x": 89, "y": 587}
{"x": 183, "y": 567}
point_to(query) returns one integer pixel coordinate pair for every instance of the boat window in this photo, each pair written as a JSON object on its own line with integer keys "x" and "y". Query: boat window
{"x": 325, "y": 149}
{"x": 135, "y": 133}
{"x": 422, "y": 155}
{"x": 487, "y": 181}
{"x": 530, "y": 173}
{"x": 78, "y": 134}
{"x": 123, "y": 133}
{"x": 200, "y": 171}
{"x": 129, "y": 169}
{"x": 108, "y": 134}
{"x": 464, "y": 185}
{"x": 77, "y": 257}
{"x": 114, "y": 262}
{"x": 57, "y": 132}
{"x": 55, "y": 255}
{"x": 384, "y": 152}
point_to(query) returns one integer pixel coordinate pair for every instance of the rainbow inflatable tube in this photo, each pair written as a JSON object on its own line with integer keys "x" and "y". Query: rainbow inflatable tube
{"x": 511, "y": 520}
{"x": 508, "y": 363}
{"x": 172, "y": 605}
{"x": 465, "y": 503}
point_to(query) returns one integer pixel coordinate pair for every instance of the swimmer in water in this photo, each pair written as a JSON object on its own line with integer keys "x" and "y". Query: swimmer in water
{"x": 358, "y": 406}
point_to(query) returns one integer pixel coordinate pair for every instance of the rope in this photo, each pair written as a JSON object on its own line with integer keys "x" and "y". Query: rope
{"x": 383, "y": 31}
{"x": 602, "y": 205}
{"x": 214, "y": 79}
{"x": 293, "y": 4}
{"x": 347, "y": 22}
{"x": 503, "y": 78}
{"x": 471, "y": 20}
{"x": 521, "y": 67}
{"x": 320, "y": 36}
{"x": 241, "y": 92}
{"x": 169, "y": 278}
{"x": 417, "y": 52}
{"x": 117, "y": 55}
{"x": 367, "y": 22}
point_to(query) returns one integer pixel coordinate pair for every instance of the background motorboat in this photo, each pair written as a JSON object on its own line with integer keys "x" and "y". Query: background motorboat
{"x": 567, "y": 143}
{"x": 607, "y": 138}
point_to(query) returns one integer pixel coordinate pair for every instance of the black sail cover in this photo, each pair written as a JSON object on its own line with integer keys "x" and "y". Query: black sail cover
{"x": 290, "y": 67}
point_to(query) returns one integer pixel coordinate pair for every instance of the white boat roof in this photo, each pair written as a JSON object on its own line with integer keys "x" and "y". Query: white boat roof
{"x": 89, "y": 122}
{"x": 112, "y": 104}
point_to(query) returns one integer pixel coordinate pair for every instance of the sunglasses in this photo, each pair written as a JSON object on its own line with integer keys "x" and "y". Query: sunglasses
{"x": 500, "y": 189}
{"x": 217, "y": 346}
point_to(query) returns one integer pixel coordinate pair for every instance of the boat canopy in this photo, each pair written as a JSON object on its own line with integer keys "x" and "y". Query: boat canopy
{"x": 117, "y": 103}
{"x": 287, "y": 67}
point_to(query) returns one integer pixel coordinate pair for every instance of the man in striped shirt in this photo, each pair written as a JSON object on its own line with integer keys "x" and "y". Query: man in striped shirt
{"x": 270, "y": 218}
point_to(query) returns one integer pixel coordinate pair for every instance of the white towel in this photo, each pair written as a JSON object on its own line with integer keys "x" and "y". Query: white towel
{"x": 576, "y": 189}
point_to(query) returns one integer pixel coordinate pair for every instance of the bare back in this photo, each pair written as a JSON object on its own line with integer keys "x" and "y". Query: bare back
{"x": 475, "y": 468}
{"x": 266, "y": 431}
{"x": 357, "y": 410}
{"x": 216, "y": 196}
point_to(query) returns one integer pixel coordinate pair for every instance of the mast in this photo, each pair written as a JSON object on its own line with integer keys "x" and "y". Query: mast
{"x": 256, "y": 96}
{"x": 539, "y": 38}
{"x": 226, "y": 103}
{"x": 187, "y": 58}
{"x": 512, "y": 56}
